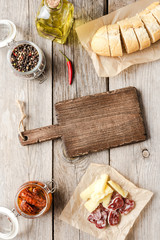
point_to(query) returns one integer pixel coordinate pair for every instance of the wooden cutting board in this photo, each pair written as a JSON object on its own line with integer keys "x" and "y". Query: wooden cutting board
{"x": 94, "y": 123}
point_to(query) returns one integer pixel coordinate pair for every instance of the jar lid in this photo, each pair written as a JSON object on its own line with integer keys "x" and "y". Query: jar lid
{"x": 8, "y": 224}
{"x": 7, "y": 32}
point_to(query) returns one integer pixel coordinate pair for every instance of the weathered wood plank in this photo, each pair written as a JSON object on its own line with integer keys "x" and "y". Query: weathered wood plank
{"x": 85, "y": 82}
{"x": 18, "y": 165}
{"x": 129, "y": 160}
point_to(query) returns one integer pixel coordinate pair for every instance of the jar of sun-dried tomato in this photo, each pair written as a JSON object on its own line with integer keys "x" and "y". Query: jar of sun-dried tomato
{"x": 33, "y": 199}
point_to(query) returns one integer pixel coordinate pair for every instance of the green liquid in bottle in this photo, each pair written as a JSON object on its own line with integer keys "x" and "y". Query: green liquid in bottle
{"x": 55, "y": 23}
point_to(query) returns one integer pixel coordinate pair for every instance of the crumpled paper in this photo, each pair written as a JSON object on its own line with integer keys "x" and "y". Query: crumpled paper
{"x": 76, "y": 214}
{"x": 109, "y": 66}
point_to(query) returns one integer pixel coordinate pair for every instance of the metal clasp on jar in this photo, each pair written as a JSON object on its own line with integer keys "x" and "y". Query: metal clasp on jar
{"x": 47, "y": 187}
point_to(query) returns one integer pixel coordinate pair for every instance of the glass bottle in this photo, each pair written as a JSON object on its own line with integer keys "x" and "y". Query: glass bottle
{"x": 54, "y": 19}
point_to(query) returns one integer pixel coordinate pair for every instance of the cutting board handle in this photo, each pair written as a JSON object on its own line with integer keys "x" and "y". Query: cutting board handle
{"x": 40, "y": 135}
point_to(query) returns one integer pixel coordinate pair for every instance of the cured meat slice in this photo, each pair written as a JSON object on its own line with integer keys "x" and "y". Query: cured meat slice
{"x": 97, "y": 214}
{"x": 127, "y": 207}
{"x": 113, "y": 218}
{"x": 101, "y": 223}
{"x": 99, "y": 217}
{"x": 115, "y": 194}
{"x": 91, "y": 218}
{"x": 116, "y": 203}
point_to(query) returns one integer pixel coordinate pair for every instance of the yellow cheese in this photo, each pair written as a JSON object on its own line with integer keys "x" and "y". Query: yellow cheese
{"x": 91, "y": 205}
{"x": 95, "y": 189}
{"x": 88, "y": 191}
{"x": 108, "y": 190}
{"x": 101, "y": 184}
{"x": 106, "y": 200}
{"x": 118, "y": 189}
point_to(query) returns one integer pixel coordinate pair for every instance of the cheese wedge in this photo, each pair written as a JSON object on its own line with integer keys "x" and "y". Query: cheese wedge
{"x": 100, "y": 195}
{"x": 96, "y": 188}
{"x": 118, "y": 189}
{"x": 106, "y": 200}
{"x": 91, "y": 205}
{"x": 88, "y": 191}
{"x": 108, "y": 190}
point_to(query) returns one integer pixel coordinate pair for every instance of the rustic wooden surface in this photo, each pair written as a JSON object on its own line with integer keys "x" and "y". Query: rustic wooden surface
{"x": 42, "y": 162}
{"x": 94, "y": 123}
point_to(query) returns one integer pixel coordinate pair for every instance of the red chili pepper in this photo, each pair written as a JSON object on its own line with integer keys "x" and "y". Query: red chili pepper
{"x": 70, "y": 69}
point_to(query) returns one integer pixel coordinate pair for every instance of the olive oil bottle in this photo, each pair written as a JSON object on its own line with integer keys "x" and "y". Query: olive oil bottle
{"x": 54, "y": 19}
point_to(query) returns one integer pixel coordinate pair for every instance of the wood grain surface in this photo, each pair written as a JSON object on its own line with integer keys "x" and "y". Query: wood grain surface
{"x": 94, "y": 123}
{"x": 139, "y": 162}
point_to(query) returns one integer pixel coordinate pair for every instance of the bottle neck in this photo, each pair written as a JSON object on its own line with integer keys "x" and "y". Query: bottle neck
{"x": 53, "y": 5}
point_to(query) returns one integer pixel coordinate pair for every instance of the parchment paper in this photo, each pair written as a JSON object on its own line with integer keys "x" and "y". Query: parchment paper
{"x": 76, "y": 214}
{"x": 109, "y": 66}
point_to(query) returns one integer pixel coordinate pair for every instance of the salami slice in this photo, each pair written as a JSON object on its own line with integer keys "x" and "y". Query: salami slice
{"x": 116, "y": 203}
{"x": 101, "y": 223}
{"x": 99, "y": 217}
{"x": 114, "y": 195}
{"x": 127, "y": 207}
{"x": 91, "y": 218}
{"x": 113, "y": 218}
{"x": 97, "y": 214}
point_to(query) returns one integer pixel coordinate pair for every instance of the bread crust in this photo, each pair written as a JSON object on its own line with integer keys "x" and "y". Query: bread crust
{"x": 137, "y": 33}
{"x": 141, "y": 33}
{"x": 152, "y": 26}
{"x": 128, "y": 36}
{"x": 154, "y": 8}
{"x": 100, "y": 43}
{"x": 114, "y": 40}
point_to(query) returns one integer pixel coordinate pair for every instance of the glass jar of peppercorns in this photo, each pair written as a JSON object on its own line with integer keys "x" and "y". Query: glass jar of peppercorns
{"x": 25, "y": 58}
{"x": 33, "y": 199}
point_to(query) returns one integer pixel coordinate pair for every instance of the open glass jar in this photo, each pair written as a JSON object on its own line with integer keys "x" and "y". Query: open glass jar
{"x": 25, "y": 58}
{"x": 33, "y": 199}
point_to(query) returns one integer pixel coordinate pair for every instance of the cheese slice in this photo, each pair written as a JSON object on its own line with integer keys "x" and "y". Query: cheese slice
{"x": 108, "y": 190}
{"x": 96, "y": 188}
{"x": 99, "y": 196}
{"x": 91, "y": 205}
{"x": 88, "y": 191}
{"x": 106, "y": 200}
{"x": 101, "y": 184}
{"x": 118, "y": 189}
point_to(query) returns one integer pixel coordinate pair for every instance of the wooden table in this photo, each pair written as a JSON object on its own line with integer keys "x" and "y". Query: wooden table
{"x": 44, "y": 161}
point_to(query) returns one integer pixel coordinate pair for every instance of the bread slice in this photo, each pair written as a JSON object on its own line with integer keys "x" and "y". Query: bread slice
{"x": 100, "y": 43}
{"x": 154, "y": 8}
{"x": 128, "y": 36}
{"x": 114, "y": 40}
{"x": 152, "y": 26}
{"x": 141, "y": 33}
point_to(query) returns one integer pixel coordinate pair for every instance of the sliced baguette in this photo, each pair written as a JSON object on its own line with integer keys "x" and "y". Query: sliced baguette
{"x": 154, "y": 8}
{"x": 114, "y": 40}
{"x": 100, "y": 43}
{"x": 128, "y": 36}
{"x": 151, "y": 25}
{"x": 141, "y": 33}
